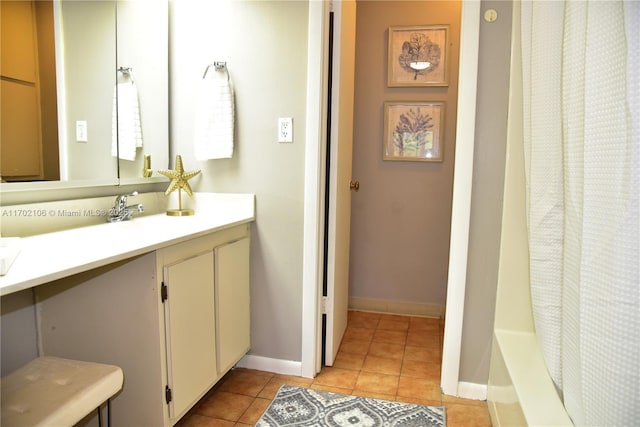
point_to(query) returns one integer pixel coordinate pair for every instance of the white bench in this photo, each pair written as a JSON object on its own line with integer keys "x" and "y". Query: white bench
{"x": 51, "y": 391}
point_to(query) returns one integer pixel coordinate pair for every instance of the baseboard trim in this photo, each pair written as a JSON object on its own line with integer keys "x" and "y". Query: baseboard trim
{"x": 472, "y": 391}
{"x": 278, "y": 366}
{"x": 396, "y": 307}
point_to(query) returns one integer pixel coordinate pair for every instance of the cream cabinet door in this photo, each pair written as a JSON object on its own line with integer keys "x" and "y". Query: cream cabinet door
{"x": 232, "y": 303}
{"x": 190, "y": 331}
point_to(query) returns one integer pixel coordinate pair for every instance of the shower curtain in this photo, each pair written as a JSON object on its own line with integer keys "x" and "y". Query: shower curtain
{"x": 581, "y": 91}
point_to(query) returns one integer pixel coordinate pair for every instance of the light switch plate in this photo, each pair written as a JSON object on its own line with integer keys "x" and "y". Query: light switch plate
{"x": 81, "y": 131}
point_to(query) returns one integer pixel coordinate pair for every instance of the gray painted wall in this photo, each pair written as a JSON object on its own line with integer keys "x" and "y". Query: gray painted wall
{"x": 401, "y": 217}
{"x": 18, "y": 334}
{"x": 487, "y": 193}
{"x": 265, "y": 46}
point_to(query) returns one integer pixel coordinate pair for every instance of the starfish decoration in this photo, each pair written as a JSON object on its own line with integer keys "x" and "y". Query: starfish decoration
{"x": 179, "y": 178}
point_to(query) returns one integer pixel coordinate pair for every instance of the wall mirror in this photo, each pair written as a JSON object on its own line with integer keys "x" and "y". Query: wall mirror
{"x": 71, "y": 70}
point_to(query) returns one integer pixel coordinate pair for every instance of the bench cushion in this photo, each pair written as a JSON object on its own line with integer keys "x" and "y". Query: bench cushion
{"x": 55, "y": 391}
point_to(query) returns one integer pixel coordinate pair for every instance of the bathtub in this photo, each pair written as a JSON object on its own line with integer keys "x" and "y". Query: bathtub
{"x": 520, "y": 391}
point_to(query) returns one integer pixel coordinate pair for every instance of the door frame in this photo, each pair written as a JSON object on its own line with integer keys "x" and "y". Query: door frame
{"x": 314, "y": 187}
{"x": 314, "y": 192}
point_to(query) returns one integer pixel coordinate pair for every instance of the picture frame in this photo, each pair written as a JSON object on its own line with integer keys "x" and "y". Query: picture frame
{"x": 413, "y": 131}
{"x": 418, "y": 56}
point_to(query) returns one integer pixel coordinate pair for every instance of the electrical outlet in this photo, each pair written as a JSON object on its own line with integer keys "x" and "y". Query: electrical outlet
{"x": 285, "y": 129}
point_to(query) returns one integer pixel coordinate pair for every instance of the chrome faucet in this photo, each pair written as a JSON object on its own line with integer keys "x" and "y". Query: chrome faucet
{"x": 120, "y": 211}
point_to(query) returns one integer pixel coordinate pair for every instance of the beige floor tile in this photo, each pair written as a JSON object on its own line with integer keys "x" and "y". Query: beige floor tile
{"x": 349, "y": 360}
{"x": 395, "y": 317}
{"x": 359, "y": 334}
{"x": 427, "y": 325}
{"x": 245, "y": 382}
{"x": 363, "y": 321}
{"x": 337, "y": 377}
{"x": 467, "y": 416}
{"x": 382, "y": 365}
{"x": 423, "y": 354}
{"x": 354, "y": 347}
{"x": 393, "y": 337}
{"x": 380, "y": 396}
{"x": 355, "y": 314}
{"x": 390, "y": 351}
{"x": 460, "y": 401}
{"x": 382, "y": 356}
{"x": 419, "y": 401}
{"x": 271, "y": 389}
{"x": 419, "y": 388}
{"x": 294, "y": 378}
{"x": 420, "y": 339}
{"x": 255, "y": 411}
{"x": 195, "y": 420}
{"x": 377, "y": 383}
{"x": 393, "y": 324}
{"x": 225, "y": 405}
{"x": 420, "y": 369}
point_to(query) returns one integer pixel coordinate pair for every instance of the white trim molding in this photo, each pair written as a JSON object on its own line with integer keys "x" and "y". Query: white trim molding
{"x": 396, "y": 307}
{"x": 278, "y": 366}
{"x": 461, "y": 205}
{"x": 315, "y": 147}
{"x": 472, "y": 391}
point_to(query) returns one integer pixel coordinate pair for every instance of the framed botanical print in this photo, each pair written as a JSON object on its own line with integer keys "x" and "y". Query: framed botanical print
{"x": 418, "y": 56}
{"x": 413, "y": 131}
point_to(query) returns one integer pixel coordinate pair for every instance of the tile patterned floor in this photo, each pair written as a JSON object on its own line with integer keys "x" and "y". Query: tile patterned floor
{"x": 382, "y": 356}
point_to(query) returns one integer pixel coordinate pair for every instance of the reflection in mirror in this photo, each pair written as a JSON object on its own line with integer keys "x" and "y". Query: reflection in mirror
{"x": 142, "y": 49}
{"x": 86, "y": 64}
{"x": 72, "y": 93}
{"x": 29, "y": 105}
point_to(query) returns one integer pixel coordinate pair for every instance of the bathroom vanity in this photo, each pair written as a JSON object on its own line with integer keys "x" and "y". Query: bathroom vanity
{"x": 165, "y": 298}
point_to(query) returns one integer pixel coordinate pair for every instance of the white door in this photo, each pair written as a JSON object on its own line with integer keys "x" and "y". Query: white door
{"x": 339, "y": 212}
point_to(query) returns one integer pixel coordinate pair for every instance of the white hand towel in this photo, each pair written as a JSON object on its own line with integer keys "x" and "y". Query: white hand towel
{"x": 214, "y": 117}
{"x": 126, "y": 118}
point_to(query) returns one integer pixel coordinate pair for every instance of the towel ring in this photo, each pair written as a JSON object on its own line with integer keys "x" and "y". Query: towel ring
{"x": 219, "y": 66}
{"x": 127, "y": 71}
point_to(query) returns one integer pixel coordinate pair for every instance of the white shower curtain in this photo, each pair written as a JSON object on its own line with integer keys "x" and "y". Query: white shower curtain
{"x": 581, "y": 90}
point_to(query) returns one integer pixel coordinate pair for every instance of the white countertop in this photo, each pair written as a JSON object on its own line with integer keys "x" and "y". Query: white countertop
{"x": 51, "y": 256}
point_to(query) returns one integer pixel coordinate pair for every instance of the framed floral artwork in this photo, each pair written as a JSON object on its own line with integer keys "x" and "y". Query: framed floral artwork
{"x": 413, "y": 131}
{"x": 418, "y": 56}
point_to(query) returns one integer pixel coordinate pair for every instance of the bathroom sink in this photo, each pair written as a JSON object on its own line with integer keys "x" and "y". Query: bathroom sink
{"x": 9, "y": 250}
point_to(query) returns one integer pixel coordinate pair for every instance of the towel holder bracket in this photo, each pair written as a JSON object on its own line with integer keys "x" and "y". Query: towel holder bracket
{"x": 218, "y": 66}
{"x": 125, "y": 70}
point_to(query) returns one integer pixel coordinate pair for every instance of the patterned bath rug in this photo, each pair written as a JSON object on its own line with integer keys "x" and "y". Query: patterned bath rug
{"x": 296, "y": 406}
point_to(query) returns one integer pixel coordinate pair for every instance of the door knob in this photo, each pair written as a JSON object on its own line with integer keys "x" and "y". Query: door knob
{"x": 354, "y": 185}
